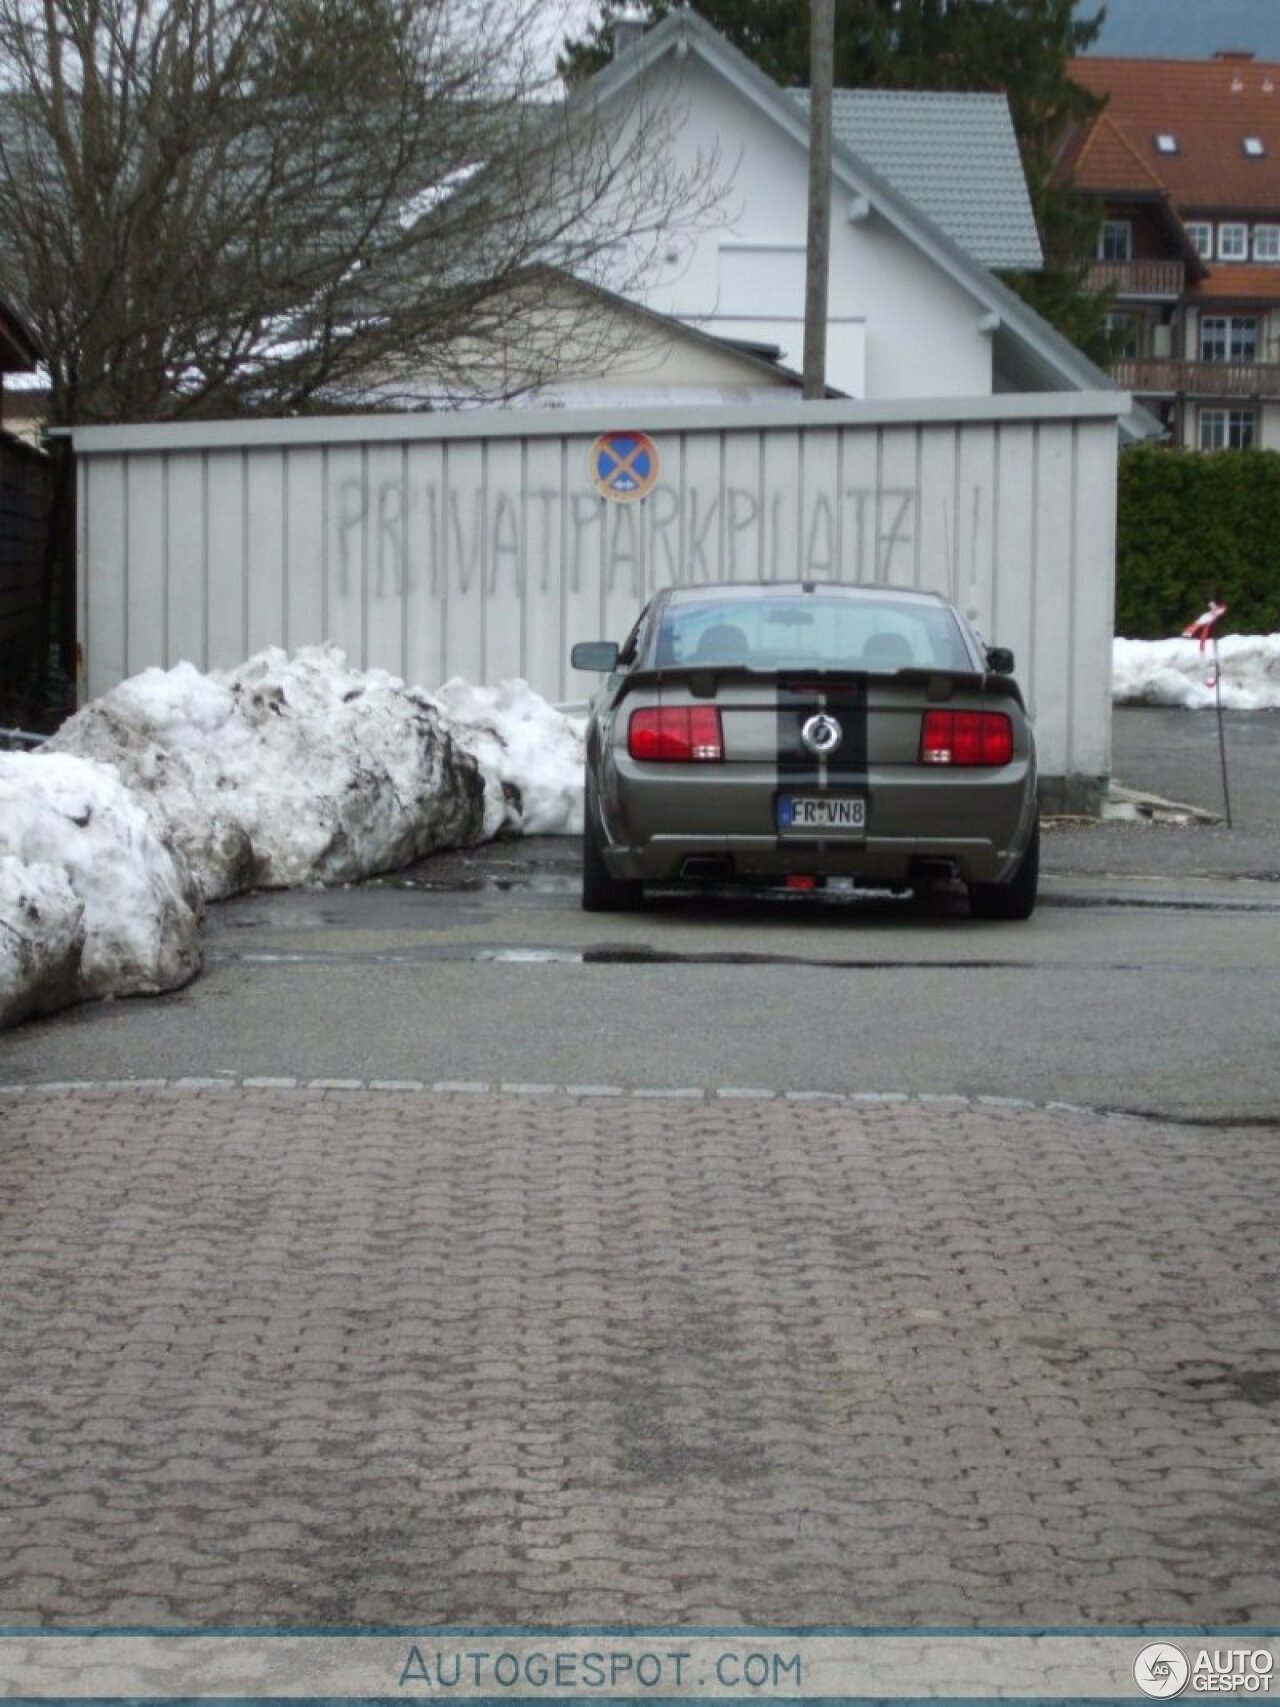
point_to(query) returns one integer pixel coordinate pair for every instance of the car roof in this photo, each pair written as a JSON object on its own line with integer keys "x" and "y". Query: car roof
{"x": 746, "y": 591}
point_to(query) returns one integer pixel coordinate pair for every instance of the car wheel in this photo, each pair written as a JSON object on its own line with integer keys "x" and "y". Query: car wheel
{"x": 1015, "y": 899}
{"x": 602, "y": 892}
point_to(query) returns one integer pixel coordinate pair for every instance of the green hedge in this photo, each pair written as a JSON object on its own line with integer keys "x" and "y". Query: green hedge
{"x": 1192, "y": 526}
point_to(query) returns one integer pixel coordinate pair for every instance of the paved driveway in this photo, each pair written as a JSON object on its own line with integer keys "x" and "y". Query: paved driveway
{"x": 318, "y": 1358}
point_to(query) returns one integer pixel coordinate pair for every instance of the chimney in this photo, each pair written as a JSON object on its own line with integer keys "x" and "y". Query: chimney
{"x": 627, "y": 31}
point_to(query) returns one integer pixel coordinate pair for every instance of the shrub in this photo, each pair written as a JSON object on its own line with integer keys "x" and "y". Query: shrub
{"x": 1193, "y": 526}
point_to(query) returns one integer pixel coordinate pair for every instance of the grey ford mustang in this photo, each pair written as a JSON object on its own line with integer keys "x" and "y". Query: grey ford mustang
{"x": 792, "y": 732}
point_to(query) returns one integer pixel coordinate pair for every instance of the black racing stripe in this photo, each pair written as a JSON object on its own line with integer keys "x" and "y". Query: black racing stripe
{"x": 847, "y": 703}
{"x": 845, "y": 699}
{"x": 799, "y": 771}
{"x": 796, "y": 764}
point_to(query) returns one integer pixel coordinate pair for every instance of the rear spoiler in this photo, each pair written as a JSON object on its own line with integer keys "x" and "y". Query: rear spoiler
{"x": 704, "y": 681}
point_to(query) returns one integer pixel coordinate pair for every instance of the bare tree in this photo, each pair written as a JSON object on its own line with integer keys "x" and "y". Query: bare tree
{"x": 222, "y": 207}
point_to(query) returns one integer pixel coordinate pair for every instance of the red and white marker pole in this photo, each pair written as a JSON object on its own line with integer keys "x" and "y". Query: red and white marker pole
{"x": 1204, "y": 630}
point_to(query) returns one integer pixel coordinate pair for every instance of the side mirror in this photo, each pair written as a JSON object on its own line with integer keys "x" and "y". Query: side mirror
{"x": 1000, "y": 660}
{"x": 598, "y": 655}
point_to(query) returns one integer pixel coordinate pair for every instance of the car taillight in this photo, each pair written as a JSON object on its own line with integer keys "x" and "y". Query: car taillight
{"x": 966, "y": 738}
{"x": 677, "y": 734}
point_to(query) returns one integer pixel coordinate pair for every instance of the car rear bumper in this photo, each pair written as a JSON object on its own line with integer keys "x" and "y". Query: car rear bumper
{"x": 877, "y": 860}
{"x": 978, "y": 824}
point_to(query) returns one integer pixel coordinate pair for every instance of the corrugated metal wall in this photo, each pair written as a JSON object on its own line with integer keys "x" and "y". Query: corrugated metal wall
{"x": 480, "y": 545}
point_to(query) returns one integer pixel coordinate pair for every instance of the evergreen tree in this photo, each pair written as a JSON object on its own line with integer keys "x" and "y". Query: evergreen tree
{"x": 773, "y": 33}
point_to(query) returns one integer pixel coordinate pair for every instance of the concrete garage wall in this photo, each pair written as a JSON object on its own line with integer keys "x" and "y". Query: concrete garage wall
{"x": 478, "y": 544}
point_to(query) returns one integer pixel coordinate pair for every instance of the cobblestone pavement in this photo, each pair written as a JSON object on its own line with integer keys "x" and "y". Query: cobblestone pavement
{"x": 318, "y": 1357}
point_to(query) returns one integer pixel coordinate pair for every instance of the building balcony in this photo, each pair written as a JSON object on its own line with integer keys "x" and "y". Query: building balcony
{"x": 1158, "y": 376}
{"x": 1160, "y": 280}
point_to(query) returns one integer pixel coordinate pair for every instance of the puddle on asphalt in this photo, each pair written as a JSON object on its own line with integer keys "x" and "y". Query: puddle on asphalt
{"x": 603, "y": 954}
{"x": 632, "y": 954}
{"x": 484, "y": 883}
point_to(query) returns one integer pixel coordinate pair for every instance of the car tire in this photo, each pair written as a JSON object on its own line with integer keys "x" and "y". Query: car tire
{"x": 1015, "y": 899}
{"x": 602, "y": 892}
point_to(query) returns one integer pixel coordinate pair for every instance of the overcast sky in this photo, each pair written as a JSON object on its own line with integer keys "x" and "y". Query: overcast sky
{"x": 1187, "y": 29}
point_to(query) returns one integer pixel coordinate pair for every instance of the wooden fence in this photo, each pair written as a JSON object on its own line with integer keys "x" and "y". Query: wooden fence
{"x": 25, "y": 494}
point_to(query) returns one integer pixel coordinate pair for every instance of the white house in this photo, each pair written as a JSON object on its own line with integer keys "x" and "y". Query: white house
{"x": 915, "y": 311}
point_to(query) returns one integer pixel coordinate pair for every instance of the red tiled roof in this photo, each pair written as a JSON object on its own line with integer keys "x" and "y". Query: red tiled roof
{"x": 1238, "y": 284}
{"x": 1107, "y": 158}
{"x": 1209, "y": 106}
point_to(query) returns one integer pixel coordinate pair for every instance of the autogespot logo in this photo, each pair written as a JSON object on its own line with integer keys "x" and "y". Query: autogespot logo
{"x": 1161, "y": 1670}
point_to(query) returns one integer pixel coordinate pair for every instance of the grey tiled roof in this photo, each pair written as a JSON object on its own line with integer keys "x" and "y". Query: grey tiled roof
{"x": 954, "y": 156}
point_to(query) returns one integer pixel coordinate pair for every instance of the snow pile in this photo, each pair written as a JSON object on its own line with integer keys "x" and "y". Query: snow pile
{"x": 290, "y": 769}
{"x": 527, "y": 745}
{"x": 92, "y": 899}
{"x": 178, "y": 787}
{"x": 1177, "y": 672}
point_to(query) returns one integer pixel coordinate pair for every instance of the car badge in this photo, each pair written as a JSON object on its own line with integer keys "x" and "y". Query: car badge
{"x": 822, "y": 735}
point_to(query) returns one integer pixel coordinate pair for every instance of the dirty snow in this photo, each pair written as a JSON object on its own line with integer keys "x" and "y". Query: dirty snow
{"x": 181, "y": 787}
{"x": 1177, "y": 672}
{"x": 517, "y": 737}
{"x": 289, "y": 769}
{"x": 93, "y": 901}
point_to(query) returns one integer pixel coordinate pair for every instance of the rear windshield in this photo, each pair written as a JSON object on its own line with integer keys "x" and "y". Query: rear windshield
{"x": 812, "y": 632}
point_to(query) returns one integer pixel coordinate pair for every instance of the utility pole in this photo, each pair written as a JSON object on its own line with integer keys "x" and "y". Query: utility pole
{"x": 822, "y": 53}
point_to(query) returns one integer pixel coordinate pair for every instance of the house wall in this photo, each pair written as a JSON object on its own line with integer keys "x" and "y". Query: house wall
{"x": 24, "y": 524}
{"x": 898, "y": 325}
{"x": 1267, "y": 412}
{"x": 595, "y": 343}
{"x": 634, "y": 350}
{"x": 478, "y": 544}
{"x": 1150, "y": 234}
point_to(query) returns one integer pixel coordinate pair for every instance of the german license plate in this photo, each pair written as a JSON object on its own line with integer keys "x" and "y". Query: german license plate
{"x": 822, "y": 815}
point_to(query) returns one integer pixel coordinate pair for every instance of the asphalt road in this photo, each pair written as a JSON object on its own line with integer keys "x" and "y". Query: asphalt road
{"x": 1145, "y": 983}
{"x": 1175, "y": 754}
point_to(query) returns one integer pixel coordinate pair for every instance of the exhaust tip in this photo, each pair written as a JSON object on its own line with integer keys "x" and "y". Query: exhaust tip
{"x": 707, "y": 868}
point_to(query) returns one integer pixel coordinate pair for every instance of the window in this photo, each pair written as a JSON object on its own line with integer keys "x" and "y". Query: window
{"x": 1233, "y": 242}
{"x": 1166, "y": 144}
{"x": 1201, "y": 234}
{"x": 1226, "y": 429}
{"x": 1254, "y": 147}
{"x": 1228, "y": 338}
{"x": 1266, "y": 242}
{"x": 811, "y": 632}
{"x": 1125, "y": 330}
{"x": 1115, "y": 242}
